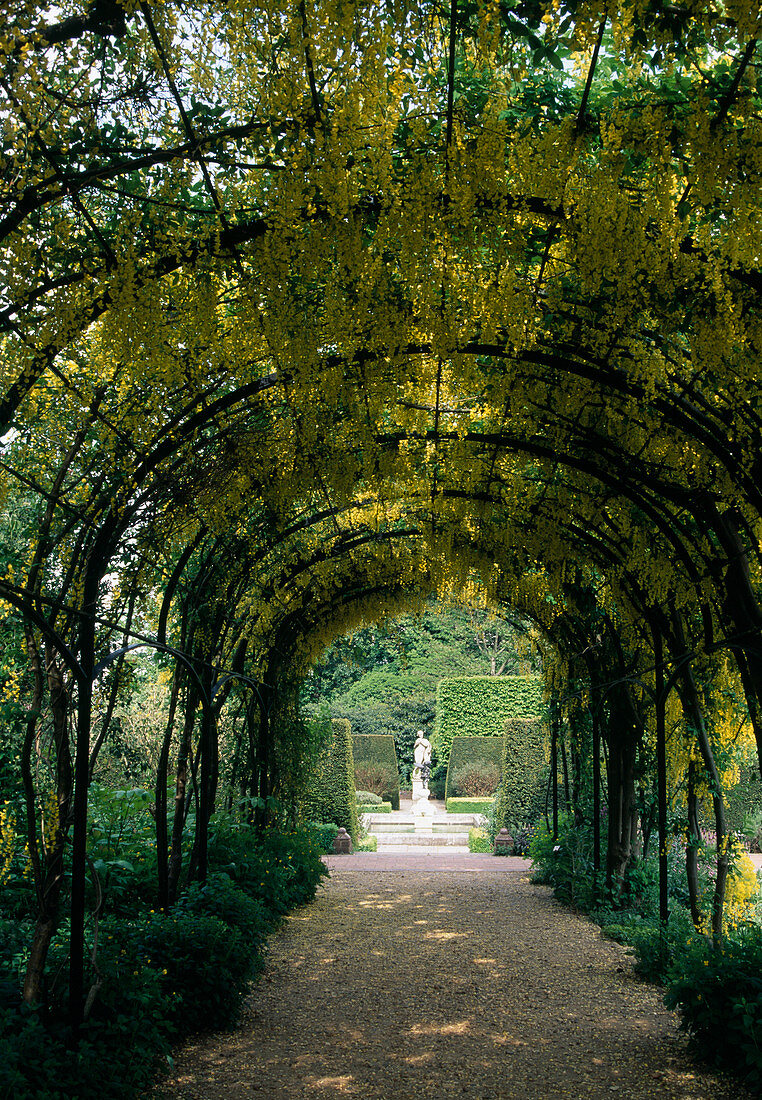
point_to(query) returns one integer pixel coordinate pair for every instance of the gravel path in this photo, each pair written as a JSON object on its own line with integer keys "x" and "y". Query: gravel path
{"x": 414, "y": 977}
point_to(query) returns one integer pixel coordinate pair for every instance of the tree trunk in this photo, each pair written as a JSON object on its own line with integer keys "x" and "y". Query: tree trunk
{"x": 181, "y": 784}
{"x": 160, "y": 796}
{"x": 695, "y": 719}
{"x": 692, "y": 845}
{"x": 263, "y": 758}
{"x": 622, "y": 802}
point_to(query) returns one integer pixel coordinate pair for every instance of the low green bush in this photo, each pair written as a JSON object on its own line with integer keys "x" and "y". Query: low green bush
{"x": 322, "y": 835}
{"x": 565, "y": 862}
{"x": 220, "y": 897}
{"x": 281, "y": 870}
{"x": 374, "y": 808}
{"x": 366, "y": 798}
{"x": 203, "y": 962}
{"x": 160, "y": 975}
{"x": 469, "y": 805}
{"x": 116, "y": 1057}
{"x": 718, "y": 991}
{"x": 479, "y": 841}
{"x": 367, "y": 844}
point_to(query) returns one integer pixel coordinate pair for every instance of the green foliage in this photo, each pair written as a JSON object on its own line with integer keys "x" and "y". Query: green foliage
{"x": 374, "y": 807}
{"x": 469, "y": 805}
{"x": 367, "y": 844}
{"x": 204, "y": 963}
{"x": 122, "y": 847}
{"x": 323, "y": 836}
{"x": 522, "y": 839}
{"x": 524, "y": 774}
{"x": 479, "y": 841}
{"x": 469, "y": 706}
{"x": 657, "y": 949}
{"x": 744, "y": 805}
{"x": 282, "y": 870}
{"x": 220, "y": 897}
{"x": 375, "y": 761}
{"x": 565, "y": 862}
{"x": 162, "y": 974}
{"x": 330, "y": 796}
{"x": 116, "y": 1057}
{"x": 465, "y": 754}
{"x": 718, "y": 990}
{"x": 438, "y": 781}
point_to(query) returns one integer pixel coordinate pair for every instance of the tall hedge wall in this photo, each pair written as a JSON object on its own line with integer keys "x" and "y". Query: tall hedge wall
{"x": 469, "y": 750}
{"x": 331, "y": 793}
{"x": 378, "y": 748}
{"x": 524, "y": 773}
{"x": 477, "y": 706}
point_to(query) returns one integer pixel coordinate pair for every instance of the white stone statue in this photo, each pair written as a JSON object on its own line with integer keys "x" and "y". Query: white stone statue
{"x": 421, "y": 750}
{"x": 421, "y": 772}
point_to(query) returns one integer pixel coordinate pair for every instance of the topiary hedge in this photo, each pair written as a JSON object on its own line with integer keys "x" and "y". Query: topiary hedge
{"x": 469, "y": 805}
{"x": 330, "y": 795}
{"x": 375, "y": 760}
{"x": 374, "y": 807}
{"x": 470, "y": 750}
{"x": 477, "y": 706}
{"x": 524, "y": 774}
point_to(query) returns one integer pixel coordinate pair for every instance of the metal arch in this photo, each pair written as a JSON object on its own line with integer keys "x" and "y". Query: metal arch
{"x": 26, "y": 608}
{"x": 191, "y": 665}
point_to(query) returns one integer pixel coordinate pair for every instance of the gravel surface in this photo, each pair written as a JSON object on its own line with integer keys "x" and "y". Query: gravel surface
{"x": 411, "y": 978}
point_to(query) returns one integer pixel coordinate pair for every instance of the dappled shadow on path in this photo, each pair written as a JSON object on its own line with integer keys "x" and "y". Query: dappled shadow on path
{"x": 416, "y": 983}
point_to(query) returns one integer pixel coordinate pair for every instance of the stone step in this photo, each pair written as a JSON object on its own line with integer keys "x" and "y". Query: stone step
{"x": 379, "y": 827}
{"x": 421, "y": 839}
{"x": 400, "y": 818}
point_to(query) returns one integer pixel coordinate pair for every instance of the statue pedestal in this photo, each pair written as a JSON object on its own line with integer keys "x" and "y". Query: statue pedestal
{"x": 422, "y": 808}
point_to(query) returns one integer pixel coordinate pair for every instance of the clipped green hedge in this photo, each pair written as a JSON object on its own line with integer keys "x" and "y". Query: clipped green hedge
{"x": 469, "y": 750}
{"x": 330, "y": 796}
{"x": 524, "y": 773}
{"x": 374, "y": 807}
{"x": 477, "y": 706}
{"x": 377, "y": 750}
{"x": 469, "y": 805}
